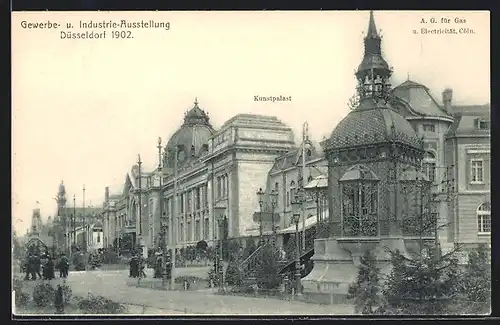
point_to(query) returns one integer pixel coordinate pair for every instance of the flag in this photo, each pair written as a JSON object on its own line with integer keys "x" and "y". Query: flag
{"x": 37, "y": 202}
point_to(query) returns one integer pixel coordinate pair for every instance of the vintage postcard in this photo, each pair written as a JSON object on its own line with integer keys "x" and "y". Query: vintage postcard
{"x": 251, "y": 163}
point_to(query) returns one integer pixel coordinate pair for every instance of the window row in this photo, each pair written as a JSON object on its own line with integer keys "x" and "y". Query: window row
{"x": 222, "y": 187}
{"x": 196, "y": 233}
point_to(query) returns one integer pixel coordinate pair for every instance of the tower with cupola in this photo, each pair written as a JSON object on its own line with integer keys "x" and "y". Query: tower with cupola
{"x": 373, "y": 156}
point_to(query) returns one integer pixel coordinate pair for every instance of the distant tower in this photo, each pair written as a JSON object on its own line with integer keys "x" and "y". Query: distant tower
{"x": 36, "y": 223}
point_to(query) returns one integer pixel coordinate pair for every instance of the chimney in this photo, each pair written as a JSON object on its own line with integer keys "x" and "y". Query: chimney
{"x": 106, "y": 194}
{"x": 447, "y": 97}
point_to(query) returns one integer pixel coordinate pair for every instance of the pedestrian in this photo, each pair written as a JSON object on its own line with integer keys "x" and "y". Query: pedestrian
{"x": 63, "y": 266}
{"x": 32, "y": 267}
{"x": 49, "y": 269}
{"x": 38, "y": 265}
{"x": 142, "y": 265}
{"x": 133, "y": 267}
{"x": 158, "y": 265}
{"x": 59, "y": 300}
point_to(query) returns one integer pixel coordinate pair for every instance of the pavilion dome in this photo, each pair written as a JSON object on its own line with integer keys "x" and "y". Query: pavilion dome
{"x": 191, "y": 138}
{"x": 371, "y": 123}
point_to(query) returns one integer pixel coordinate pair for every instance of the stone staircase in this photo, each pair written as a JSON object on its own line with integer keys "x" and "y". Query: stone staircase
{"x": 249, "y": 267}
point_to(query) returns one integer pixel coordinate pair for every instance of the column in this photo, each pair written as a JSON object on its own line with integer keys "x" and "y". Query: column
{"x": 202, "y": 207}
{"x": 193, "y": 214}
{"x": 210, "y": 183}
{"x": 184, "y": 218}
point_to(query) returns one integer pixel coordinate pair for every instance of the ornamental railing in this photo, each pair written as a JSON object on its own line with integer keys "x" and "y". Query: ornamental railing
{"x": 365, "y": 225}
{"x": 252, "y": 261}
{"x": 424, "y": 225}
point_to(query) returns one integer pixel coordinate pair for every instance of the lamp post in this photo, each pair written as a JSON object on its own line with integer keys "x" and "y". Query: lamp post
{"x": 139, "y": 163}
{"x": 174, "y": 217}
{"x": 274, "y": 201}
{"x": 84, "y": 222}
{"x": 219, "y": 216}
{"x": 296, "y": 209}
{"x": 163, "y": 220}
{"x": 74, "y": 219}
{"x": 260, "y": 196}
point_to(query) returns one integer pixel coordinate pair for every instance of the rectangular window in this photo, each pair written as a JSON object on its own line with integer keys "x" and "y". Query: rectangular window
{"x": 189, "y": 201}
{"x": 182, "y": 203}
{"x": 98, "y": 237}
{"x": 477, "y": 171}
{"x": 189, "y": 231}
{"x": 429, "y": 128}
{"x": 484, "y": 224}
{"x": 429, "y": 169}
{"x": 197, "y": 230}
{"x": 198, "y": 198}
{"x": 482, "y": 124}
{"x": 205, "y": 193}
{"x": 206, "y": 229}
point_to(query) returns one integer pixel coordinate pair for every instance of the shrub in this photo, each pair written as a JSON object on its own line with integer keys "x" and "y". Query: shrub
{"x": 67, "y": 293}
{"x": 22, "y": 298}
{"x": 233, "y": 276}
{"x": 99, "y": 305}
{"x": 424, "y": 286}
{"x": 43, "y": 295}
{"x": 478, "y": 275}
{"x": 214, "y": 274}
{"x": 267, "y": 271}
{"x": 365, "y": 291}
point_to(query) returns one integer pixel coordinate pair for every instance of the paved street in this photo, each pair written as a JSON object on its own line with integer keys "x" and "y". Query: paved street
{"x": 113, "y": 285}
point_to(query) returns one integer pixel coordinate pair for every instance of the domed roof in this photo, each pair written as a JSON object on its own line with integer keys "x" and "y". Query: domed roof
{"x": 372, "y": 123}
{"x": 191, "y": 138}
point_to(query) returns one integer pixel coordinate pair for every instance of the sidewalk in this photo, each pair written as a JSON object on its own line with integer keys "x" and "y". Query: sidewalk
{"x": 193, "y": 302}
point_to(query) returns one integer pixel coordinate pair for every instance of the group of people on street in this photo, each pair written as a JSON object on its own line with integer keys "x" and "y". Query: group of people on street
{"x": 137, "y": 265}
{"x": 158, "y": 265}
{"x": 43, "y": 267}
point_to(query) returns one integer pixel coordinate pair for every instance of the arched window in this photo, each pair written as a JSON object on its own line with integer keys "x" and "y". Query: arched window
{"x": 484, "y": 218}
{"x": 429, "y": 165}
{"x": 309, "y": 179}
{"x": 359, "y": 197}
{"x": 293, "y": 190}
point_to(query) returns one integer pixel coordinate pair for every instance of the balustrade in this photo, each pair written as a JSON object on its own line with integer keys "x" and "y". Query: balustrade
{"x": 365, "y": 225}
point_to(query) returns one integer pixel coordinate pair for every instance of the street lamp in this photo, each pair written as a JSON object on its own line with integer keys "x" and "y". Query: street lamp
{"x": 84, "y": 222}
{"x": 139, "y": 163}
{"x": 274, "y": 201}
{"x": 219, "y": 216}
{"x": 74, "y": 219}
{"x": 296, "y": 209}
{"x": 163, "y": 219}
{"x": 260, "y": 196}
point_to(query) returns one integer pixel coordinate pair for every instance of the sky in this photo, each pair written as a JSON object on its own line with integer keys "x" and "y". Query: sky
{"x": 82, "y": 110}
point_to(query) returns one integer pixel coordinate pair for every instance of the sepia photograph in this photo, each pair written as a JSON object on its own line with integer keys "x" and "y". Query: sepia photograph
{"x": 201, "y": 163}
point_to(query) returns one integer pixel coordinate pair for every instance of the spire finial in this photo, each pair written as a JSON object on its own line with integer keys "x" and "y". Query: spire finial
{"x": 196, "y": 101}
{"x": 407, "y": 76}
{"x": 372, "y": 28}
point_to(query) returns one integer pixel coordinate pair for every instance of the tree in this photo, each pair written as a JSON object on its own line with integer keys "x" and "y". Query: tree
{"x": 365, "y": 290}
{"x": 250, "y": 247}
{"x": 478, "y": 275}
{"x": 233, "y": 276}
{"x": 214, "y": 274}
{"x": 17, "y": 250}
{"x": 421, "y": 286}
{"x": 267, "y": 271}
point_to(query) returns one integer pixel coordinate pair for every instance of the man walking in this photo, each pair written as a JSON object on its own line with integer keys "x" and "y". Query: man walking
{"x": 63, "y": 266}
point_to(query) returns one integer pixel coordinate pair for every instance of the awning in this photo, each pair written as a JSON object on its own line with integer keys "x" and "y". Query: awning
{"x": 310, "y": 222}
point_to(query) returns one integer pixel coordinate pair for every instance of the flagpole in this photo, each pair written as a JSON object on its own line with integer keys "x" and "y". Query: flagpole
{"x": 304, "y": 137}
